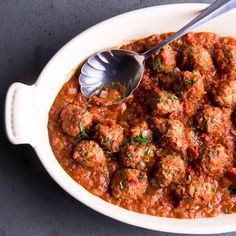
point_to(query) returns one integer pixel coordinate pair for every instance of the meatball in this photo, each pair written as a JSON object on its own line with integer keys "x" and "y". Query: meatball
{"x": 198, "y": 190}
{"x": 214, "y": 120}
{"x": 194, "y": 86}
{"x": 165, "y": 60}
{"x": 225, "y": 94}
{"x": 171, "y": 169}
{"x": 111, "y": 137}
{"x": 129, "y": 184}
{"x": 138, "y": 156}
{"x": 140, "y": 128}
{"x": 226, "y": 59}
{"x": 197, "y": 58}
{"x": 75, "y": 119}
{"x": 163, "y": 103}
{"x": 174, "y": 138}
{"x": 89, "y": 154}
{"x": 215, "y": 160}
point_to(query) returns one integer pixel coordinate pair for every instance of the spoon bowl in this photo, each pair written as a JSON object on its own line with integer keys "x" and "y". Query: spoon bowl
{"x": 119, "y": 69}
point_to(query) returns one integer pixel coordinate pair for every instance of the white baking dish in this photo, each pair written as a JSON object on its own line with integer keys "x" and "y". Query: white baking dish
{"x": 27, "y": 107}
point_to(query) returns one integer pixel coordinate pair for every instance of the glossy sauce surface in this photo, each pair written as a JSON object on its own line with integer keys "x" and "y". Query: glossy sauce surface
{"x": 169, "y": 149}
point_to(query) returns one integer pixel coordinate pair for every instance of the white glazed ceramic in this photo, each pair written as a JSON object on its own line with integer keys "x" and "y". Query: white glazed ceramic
{"x": 26, "y": 111}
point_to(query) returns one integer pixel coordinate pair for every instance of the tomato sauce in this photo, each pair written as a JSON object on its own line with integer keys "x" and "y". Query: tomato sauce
{"x": 167, "y": 150}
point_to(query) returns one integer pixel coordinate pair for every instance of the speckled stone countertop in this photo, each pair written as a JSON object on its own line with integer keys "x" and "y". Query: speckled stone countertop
{"x": 31, "y": 32}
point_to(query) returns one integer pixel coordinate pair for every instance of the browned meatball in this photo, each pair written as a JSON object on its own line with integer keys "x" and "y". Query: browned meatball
{"x": 215, "y": 160}
{"x": 197, "y": 58}
{"x": 225, "y": 94}
{"x": 129, "y": 184}
{"x": 197, "y": 190}
{"x": 193, "y": 85}
{"x": 111, "y": 137}
{"x": 214, "y": 120}
{"x": 140, "y": 128}
{"x": 163, "y": 103}
{"x": 138, "y": 156}
{"x": 165, "y": 60}
{"x": 89, "y": 154}
{"x": 75, "y": 119}
{"x": 171, "y": 169}
{"x": 174, "y": 138}
{"x": 226, "y": 59}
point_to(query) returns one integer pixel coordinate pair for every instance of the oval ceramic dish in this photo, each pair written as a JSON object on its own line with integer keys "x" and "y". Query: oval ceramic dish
{"x": 27, "y": 107}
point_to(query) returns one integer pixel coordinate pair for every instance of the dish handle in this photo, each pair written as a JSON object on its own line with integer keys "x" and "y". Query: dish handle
{"x": 18, "y": 113}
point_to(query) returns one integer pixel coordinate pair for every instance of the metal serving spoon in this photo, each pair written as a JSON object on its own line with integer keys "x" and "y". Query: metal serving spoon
{"x": 123, "y": 69}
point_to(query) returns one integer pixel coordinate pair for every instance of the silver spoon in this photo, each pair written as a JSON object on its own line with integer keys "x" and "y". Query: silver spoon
{"x": 123, "y": 69}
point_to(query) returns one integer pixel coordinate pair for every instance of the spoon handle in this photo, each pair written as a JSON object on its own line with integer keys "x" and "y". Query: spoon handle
{"x": 215, "y": 9}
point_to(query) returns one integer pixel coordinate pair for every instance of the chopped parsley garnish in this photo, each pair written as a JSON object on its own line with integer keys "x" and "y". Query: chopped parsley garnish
{"x": 108, "y": 153}
{"x": 157, "y": 65}
{"x": 190, "y": 200}
{"x": 141, "y": 139}
{"x": 213, "y": 190}
{"x": 129, "y": 157}
{"x": 149, "y": 151}
{"x": 107, "y": 141}
{"x": 178, "y": 89}
{"x": 172, "y": 97}
{"x": 212, "y": 121}
{"x": 159, "y": 99}
{"x": 190, "y": 81}
{"x": 83, "y": 133}
{"x": 141, "y": 177}
{"x": 186, "y": 159}
{"x": 212, "y": 152}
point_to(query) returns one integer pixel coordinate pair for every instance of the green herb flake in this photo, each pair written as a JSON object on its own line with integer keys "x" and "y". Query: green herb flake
{"x": 141, "y": 139}
{"x": 129, "y": 157}
{"x": 149, "y": 151}
{"x": 172, "y": 97}
{"x": 178, "y": 89}
{"x": 212, "y": 121}
{"x": 186, "y": 159}
{"x": 190, "y": 200}
{"x": 213, "y": 190}
{"x": 190, "y": 81}
{"x": 141, "y": 177}
{"x": 159, "y": 99}
{"x": 107, "y": 141}
{"x": 157, "y": 65}
{"x": 108, "y": 153}
{"x": 83, "y": 133}
{"x": 212, "y": 152}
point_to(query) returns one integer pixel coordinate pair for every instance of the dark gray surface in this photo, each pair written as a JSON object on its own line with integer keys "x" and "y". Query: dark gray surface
{"x": 31, "y": 31}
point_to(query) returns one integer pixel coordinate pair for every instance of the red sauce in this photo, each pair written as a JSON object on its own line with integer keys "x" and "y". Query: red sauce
{"x": 169, "y": 149}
